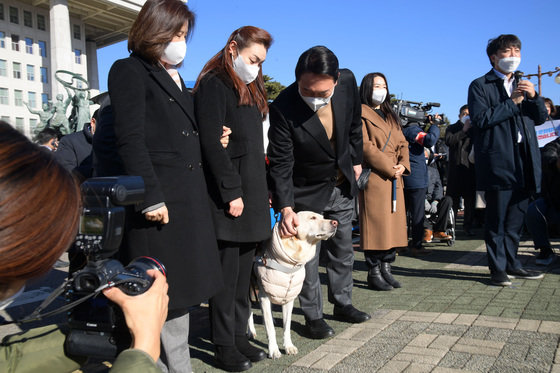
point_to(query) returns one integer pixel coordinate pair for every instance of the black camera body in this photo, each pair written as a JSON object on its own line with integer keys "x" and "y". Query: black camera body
{"x": 416, "y": 113}
{"x": 97, "y": 326}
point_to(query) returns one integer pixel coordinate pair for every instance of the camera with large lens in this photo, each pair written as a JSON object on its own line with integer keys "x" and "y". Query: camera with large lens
{"x": 97, "y": 326}
{"x": 417, "y": 113}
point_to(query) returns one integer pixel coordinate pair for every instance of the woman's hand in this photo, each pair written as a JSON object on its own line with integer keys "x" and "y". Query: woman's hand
{"x": 399, "y": 170}
{"x": 160, "y": 215}
{"x": 224, "y": 139}
{"x": 236, "y": 207}
{"x": 145, "y": 314}
{"x": 289, "y": 223}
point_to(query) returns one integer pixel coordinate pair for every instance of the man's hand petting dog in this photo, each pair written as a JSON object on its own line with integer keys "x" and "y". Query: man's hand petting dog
{"x": 290, "y": 221}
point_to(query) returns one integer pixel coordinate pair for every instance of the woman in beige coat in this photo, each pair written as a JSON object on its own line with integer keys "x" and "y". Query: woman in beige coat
{"x": 382, "y": 223}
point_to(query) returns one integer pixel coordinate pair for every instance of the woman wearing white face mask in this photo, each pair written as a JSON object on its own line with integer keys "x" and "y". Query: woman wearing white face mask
{"x": 382, "y": 226}
{"x": 230, "y": 92}
{"x": 156, "y": 136}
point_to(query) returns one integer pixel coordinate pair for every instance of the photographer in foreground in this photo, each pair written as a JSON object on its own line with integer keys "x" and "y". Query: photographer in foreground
{"x": 31, "y": 241}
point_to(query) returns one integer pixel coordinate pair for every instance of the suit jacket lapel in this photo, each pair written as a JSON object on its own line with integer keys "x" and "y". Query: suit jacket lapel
{"x": 162, "y": 77}
{"x": 315, "y": 128}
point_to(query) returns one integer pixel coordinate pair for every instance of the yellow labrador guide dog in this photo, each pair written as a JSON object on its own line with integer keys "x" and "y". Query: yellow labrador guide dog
{"x": 281, "y": 271}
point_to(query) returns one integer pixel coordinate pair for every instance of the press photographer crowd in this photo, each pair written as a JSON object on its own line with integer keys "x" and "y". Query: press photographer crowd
{"x": 163, "y": 201}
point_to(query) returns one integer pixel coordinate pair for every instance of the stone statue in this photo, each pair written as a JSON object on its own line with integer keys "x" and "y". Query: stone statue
{"x": 80, "y": 110}
{"x": 80, "y": 102}
{"x": 44, "y": 116}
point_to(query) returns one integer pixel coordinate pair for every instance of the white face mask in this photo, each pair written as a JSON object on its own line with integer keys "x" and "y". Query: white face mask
{"x": 315, "y": 103}
{"x": 247, "y": 73}
{"x": 378, "y": 96}
{"x": 6, "y": 302}
{"x": 174, "y": 53}
{"x": 509, "y": 64}
{"x": 465, "y": 118}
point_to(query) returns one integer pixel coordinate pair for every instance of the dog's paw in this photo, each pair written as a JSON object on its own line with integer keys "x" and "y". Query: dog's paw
{"x": 291, "y": 350}
{"x": 274, "y": 353}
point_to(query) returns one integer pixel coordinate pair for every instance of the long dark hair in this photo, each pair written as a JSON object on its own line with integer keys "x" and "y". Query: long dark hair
{"x": 39, "y": 208}
{"x": 366, "y": 89}
{"x": 156, "y": 25}
{"x": 253, "y": 93}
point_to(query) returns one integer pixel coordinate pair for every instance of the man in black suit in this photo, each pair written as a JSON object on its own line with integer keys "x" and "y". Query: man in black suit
{"x": 504, "y": 112}
{"x": 315, "y": 152}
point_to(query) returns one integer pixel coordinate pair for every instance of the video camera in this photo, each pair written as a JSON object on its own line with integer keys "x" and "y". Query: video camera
{"x": 97, "y": 326}
{"x": 416, "y": 112}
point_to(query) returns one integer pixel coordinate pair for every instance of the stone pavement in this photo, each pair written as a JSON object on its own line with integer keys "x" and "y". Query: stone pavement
{"x": 446, "y": 318}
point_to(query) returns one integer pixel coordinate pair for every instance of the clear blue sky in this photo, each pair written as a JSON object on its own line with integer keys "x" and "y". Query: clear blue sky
{"x": 429, "y": 50}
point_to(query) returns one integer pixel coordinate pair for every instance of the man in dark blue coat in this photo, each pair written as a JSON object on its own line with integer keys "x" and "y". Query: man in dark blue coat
{"x": 504, "y": 112}
{"x": 416, "y": 184}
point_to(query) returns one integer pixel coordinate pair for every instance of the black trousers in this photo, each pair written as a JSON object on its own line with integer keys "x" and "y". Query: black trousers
{"x": 505, "y": 212}
{"x": 230, "y": 308}
{"x": 441, "y": 219}
{"x": 375, "y": 257}
{"x": 414, "y": 202}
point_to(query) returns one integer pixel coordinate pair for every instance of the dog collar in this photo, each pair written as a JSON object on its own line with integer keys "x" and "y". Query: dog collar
{"x": 274, "y": 264}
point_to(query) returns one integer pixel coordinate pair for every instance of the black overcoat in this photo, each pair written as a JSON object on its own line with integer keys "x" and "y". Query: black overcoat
{"x": 496, "y": 121}
{"x": 238, "y": 170}
{"x": 303, "y": 164}
{"x": 157, "y": 138}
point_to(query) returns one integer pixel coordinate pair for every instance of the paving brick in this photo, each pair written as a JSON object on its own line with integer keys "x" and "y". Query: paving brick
{"x": 446, "y": 318}
{"x": 557, "y": 356}
{"x": 310, "y": 359}
{"x": 394, "y": 314}
{"x": 444, "y": 342}
{"x": 347, "y": 348}
{"x": 349, "y": 333}
{"x": 450, "y": 370}
{"x": 328, "y": 361}
{"x": 395, "y": 366}
{"x": 424, "y": 351}
{"x": 426, "y": 359}
{"x": 481, "y": 343}
{"x": 550, "y": 327}
{"x": 423, "y": 340}
{"x": 419, "y": 316}
{"x": 496, "y": 322}
{"x": 419, "y": 368}
{"x": 528, "y": 325}
{"x": 555, "y": 368}
{"x": 476, "y": 350}
{"x": 465, "y": 319}
{"x": 365, "y": 335}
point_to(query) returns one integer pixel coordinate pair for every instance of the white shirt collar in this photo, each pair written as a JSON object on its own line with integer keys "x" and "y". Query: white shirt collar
{"x": 508, "y": 83}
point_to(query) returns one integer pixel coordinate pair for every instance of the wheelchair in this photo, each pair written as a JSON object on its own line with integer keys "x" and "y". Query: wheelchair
{"x": 449, "y": 229}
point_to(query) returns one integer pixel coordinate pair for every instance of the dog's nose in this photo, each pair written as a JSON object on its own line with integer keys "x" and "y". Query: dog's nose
{"x": 334, "y": 223}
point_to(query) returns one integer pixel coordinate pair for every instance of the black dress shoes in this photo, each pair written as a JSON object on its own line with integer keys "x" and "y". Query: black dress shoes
{"x": 228, "y": 358}
{"x": 350, "y": 314}
{"x": 524, "y": 274}
{"x": 248, "y": 350}
{"x": 318, "y": 329}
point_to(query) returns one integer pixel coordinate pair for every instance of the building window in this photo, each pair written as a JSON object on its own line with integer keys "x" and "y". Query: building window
{"x": 15, "y": 43}
{"x": 42, "y": 48}
{"x": 2, "y": 39}
{"x": 5, "y": 118}
{"x": 29, "y": 45}
{"x": 44, "y": 75}
{"x": 19, "y": 124}
{"x": 78, "y": 56}
{"x": 4, "y": 98}
{"x": 32, "y": 124}
{"x": 1, "y": 12}
{"x": 32, "y": 99}
{"x": 45, "y": 98}
{"x": 30, "y": 72}
{"x": 14, "y": 16}
{"x": 27, "y": 18}
{"x": 41, "y": 23}
{"x": 18, "y": 97}
{"x": 77, "y": 32}
{"x": 3, "y": 68}
{"x": 17, "y": 70}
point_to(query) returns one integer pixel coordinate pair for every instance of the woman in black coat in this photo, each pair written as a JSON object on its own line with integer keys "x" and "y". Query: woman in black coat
{"x": 157, "y": 138}
{"x": 230, "y": 93}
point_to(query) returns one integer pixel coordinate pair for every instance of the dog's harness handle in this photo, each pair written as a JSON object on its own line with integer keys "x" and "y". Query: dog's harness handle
{"x": 274, "y": 264}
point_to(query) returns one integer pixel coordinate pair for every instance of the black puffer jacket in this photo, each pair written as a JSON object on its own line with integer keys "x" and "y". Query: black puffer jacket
{"x": 551, "y": 173}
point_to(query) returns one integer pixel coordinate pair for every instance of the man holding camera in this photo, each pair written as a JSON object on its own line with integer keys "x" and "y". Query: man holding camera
{"x": 504, "y": 111}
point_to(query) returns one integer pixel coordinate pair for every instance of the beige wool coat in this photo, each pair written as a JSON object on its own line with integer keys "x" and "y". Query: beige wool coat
{"x": 381, "y": 229}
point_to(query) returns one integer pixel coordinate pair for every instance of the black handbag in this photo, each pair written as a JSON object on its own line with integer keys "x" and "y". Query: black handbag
{"x": 366, "y": 171}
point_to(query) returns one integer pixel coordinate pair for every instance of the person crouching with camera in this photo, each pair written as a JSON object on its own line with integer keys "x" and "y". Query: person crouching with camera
{"x": 31, "y": 241}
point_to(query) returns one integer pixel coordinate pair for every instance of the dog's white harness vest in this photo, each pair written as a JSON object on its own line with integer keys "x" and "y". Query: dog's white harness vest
{"x": 280, "y": 276}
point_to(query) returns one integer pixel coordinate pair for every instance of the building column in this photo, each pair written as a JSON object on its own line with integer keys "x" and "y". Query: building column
{"x": 92, "y": 71}
{"x": 61, "y": 45}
